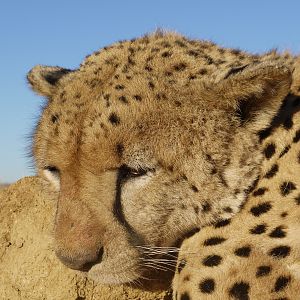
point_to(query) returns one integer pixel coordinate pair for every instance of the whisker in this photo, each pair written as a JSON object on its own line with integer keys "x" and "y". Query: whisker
{"x": 157, "y": 267}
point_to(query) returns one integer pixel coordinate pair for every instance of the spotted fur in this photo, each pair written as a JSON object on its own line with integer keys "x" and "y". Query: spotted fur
{"x": 256, "y": 254}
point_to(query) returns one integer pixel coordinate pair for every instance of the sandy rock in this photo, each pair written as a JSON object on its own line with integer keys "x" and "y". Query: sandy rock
{"x": 29, "y": 268}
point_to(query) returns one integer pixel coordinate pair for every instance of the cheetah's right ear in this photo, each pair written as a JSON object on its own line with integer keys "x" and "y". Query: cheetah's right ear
{"x": 255, "y": 92}
{"x": 44, "y": 79}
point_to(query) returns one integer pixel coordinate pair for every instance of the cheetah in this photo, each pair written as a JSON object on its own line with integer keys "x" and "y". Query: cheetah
{"x": 154, "y": 138}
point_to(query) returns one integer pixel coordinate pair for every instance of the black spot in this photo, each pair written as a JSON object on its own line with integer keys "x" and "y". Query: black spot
{"x": 287, "y": 187}
{"x": 237, "y": 191}
{"x": 191, "y": 232}
{"x": 223, "y": 180}
{"x": 192, "y": 77}
{"x": 194, "y": 188}
{"x": 181, "y": 265}
{"x": 240, "y": 291}
{"x": 148, "y": 68}
{"x": 54, "y": 118}
{"x": 119, "y": 87}
{"x": 297, "y": 200}
{"x": 216, "y": 240}
{"x": 221, "y": 50}
{"x": 207, "y": 286}
{"x": 185, "y": 296}
{"x": 212, "y": 260}
{"x": 131, "y": 49}
{"x": 137, "y": 97}
{"x": 193, "y": 53}
{"x": 180, "y": 67}
{"x": 206, "y": 207}
{"x": 196, "y": 209}
{"x": 263, "y": 134}
{"x": 285, "y": 150}
{"x": 297, "y": 136}
{"x": 272, "y": 172}
{"x": 263, "y": 271}
{"x": 180, "y": 44}
{"x": 106, "y": 96}
{"x": 288, "y": 123}
{"x": 278, "y": 232}
{"x": 280, "y": 251}
{"x": 123, "y": 99}
{"x": 252, "y": 187}
{"x": 120, "y": 149}
{"x": 222, "y": 223}
{"x": 227, "y": 209}
{"x": 284, "y": 214}
{"x": 269, "y": 150}
{"x": 281, "y": 283}
{"x": 160, "y": 96}
{"x": 151, "y": 85}
{"x": 202, "y": 71}
{"x": 258, "y": 229}
{"x": 170, "y": 168}
{"x": 114, "y": 119}
{"x": 166, "y": 54}
{"x": 208, "y": 59}
{"x": 259, "y": 192}
{"x": 131, "y": 61}
{"x": 243, "y": 251}
{"x": 235, "y": 51}
{"x": 261, "y": 208}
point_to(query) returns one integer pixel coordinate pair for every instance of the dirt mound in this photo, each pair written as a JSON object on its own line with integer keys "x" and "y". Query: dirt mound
{"x": 29, "y": 268}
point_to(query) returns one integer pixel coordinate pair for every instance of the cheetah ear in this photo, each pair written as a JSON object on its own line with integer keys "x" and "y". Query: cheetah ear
{"x": 44, "y": 79}
{"x": 255, "y": 92}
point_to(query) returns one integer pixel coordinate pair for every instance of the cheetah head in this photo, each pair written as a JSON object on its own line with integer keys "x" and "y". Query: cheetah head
{"x": 138, "y": 163}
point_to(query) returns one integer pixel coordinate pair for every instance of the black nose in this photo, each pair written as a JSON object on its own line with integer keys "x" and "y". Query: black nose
{"x": 83, "y": 262}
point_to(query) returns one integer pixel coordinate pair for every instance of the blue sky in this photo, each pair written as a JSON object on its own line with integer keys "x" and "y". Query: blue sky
{"x": 61, "y": 32}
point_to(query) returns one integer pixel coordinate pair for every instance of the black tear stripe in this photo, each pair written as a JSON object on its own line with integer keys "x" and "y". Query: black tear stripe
{"x": 132, "y": 236}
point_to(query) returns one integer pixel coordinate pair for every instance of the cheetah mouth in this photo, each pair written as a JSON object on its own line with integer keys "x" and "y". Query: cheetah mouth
{"x": 130, "y": 267}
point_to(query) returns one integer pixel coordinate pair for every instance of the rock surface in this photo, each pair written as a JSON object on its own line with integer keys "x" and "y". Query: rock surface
{"x": 29, "y": 268}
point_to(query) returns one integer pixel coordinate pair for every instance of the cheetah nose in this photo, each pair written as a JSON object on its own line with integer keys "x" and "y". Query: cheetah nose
{"x": 81, "y": 262}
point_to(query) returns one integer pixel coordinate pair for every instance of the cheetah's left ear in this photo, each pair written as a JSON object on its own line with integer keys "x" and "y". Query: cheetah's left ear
{"x": 44, "y": 79}
{"x": 255, "y": 92}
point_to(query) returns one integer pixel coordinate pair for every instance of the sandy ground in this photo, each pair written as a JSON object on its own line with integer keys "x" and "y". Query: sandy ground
{"x": 29, "y": 268}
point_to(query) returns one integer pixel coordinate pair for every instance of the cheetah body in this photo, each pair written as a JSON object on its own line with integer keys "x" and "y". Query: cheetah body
{"x": 254, "y": 255}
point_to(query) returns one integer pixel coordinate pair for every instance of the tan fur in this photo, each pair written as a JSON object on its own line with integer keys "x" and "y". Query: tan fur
{"x": 182, "y": 114}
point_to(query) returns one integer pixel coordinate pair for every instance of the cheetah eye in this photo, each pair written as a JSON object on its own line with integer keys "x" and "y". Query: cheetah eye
{"x": 127, "y": 172}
